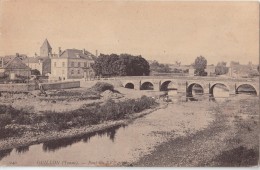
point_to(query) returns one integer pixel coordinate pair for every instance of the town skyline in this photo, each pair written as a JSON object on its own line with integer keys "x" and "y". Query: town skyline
{"x": 156, "y": 31}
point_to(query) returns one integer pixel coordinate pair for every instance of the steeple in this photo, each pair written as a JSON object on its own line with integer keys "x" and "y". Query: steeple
{"x": 45, "y": 49}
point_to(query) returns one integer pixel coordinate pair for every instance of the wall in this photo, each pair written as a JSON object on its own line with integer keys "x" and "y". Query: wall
{"x": 37, "y": 66}
{"x": 60, "y": 85}
{"x": 17, "y": 87}
{"x": 65, "y": 72}
{"x": 77, "y": 68}
{"x": 59, "y": 71}
{"x": 19, "y": 72}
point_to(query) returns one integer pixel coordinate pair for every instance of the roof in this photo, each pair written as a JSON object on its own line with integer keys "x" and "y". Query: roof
{"x": 46, "y": 44}
{"x": 35, "y": 59}
{"x": 13, "y": 62}
{"x": 7, "y": 59}
{"x": 75, "y": 53}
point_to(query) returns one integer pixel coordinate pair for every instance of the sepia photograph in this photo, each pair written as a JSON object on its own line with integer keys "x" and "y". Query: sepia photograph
{"x": 95, "y": 83}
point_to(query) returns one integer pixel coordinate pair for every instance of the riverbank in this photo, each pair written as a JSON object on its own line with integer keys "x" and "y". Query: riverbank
{"x": 231, "y": 140}
{"x": 28, "y": 123}
{"x": 35, "y": 138}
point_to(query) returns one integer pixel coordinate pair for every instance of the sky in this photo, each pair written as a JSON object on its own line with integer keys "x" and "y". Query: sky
{"x": 163, "y": 31}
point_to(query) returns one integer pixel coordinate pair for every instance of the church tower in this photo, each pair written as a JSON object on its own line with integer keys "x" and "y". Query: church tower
{"x": 45, "y": 49}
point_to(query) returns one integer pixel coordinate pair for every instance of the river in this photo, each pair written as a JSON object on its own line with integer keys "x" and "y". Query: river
{"x": 117, "y": 145}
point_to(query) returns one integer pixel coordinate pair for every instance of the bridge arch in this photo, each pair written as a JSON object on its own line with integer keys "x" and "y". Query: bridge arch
{"x": 222, "y": 85}
{"x": 191, "y": 85}
{"x": 129, "y": 85}
{"x": 147, "y": 85}
{"x": 248, "y": 87}
{"x": 165, "y": 85}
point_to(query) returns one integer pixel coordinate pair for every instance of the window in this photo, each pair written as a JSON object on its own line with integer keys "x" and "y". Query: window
{"x": 63, "y": 64}
{"x": 72, "y": 64}
{"x": 78, "y": 64}
{"x": 54, "y": 64}
{"x": 78, "y": 71}
{"x": 72, "y": 71}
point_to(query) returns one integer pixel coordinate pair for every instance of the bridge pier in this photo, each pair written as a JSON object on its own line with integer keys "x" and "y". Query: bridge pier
{"x": 232, "y": 90}
{"x": 137, "y": 85}
{"x": 156, "y": 86}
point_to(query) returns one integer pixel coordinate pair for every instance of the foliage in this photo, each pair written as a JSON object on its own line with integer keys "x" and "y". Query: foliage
{"x": 175, "y": 70}
{"x": 221, "y": 68}
{"x": 102, "y": 86}
{"x": 160, "y": 68}
{"x": 88, "y": 114}
{"x": 200, "y": 65}
{"x": 35, "y": 72}
{"x": 178, "y": 63}
{"x": 121, "y": 65}
{"x": 253, "y": 73}
{"x": 232, "y": 63}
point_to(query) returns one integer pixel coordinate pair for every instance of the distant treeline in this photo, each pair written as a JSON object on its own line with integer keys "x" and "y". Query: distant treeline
{"x": 121, "y": 65}
{"x": 158, "y": 68}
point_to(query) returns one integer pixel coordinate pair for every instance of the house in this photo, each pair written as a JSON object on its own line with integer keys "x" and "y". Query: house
{"x": 42, "y": 64}
{"x": 72, "y": 64}
{"x": 13, "y": 67}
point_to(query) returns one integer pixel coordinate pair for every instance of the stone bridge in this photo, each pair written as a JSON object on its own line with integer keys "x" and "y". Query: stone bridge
{"x": 185, "y": 84}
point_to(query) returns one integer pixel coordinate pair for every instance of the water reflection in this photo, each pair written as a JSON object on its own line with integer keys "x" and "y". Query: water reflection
{"x": 54, "y": 145}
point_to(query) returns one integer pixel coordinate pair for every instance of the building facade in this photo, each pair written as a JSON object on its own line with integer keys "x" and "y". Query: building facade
{"x": 42, "y": 64}
{"x": 13, "y": 67}
{"x": 72, "y": 64}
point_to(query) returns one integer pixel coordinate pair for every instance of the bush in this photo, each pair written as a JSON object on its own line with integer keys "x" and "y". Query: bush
{"x": 96, "y": 113}
{"x": 5, "y": 119}
{"x": 88, "y": 114}
{"x": 102, "y": 86}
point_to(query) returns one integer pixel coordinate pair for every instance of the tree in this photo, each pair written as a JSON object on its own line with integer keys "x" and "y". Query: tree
{"x": 161, "y": 68}
{"x": 35, "y": 72}
{"x": 233, "y": 63}
{"x": 221, "y": 68}
{"x": 178, "y": 63}
{"x": 200, "y": 65}
{"x": 121, "y": 65}
{"x": 140, "y": 66}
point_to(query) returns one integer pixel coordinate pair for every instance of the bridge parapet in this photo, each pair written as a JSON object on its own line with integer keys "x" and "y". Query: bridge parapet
{"x": 184, "y": 84}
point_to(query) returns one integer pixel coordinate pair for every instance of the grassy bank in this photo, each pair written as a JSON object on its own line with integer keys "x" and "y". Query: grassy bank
{"x": 17, "y": 122}
{"x": 14, "y": 123}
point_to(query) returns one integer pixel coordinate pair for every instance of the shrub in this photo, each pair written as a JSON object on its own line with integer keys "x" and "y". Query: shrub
{"x": 5, "y": 119}
{"x": 102, "y": 86}
{"x": 88, "y": 114}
